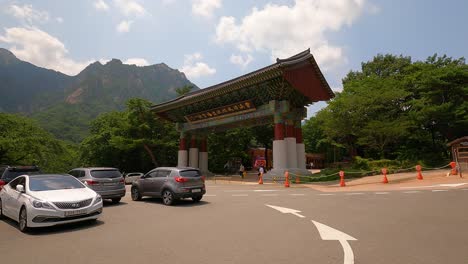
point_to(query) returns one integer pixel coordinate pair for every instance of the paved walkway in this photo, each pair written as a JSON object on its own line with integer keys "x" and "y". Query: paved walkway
{"x": 435, "y": 179}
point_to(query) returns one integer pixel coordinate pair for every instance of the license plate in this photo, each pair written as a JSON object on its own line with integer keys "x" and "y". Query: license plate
{"x": 76, "y": 212}
{"x": 196, "y": 190}
{"x": 108, "y": 183}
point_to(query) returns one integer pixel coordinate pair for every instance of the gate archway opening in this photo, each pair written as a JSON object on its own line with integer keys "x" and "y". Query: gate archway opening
{"x": 276, "y": 94}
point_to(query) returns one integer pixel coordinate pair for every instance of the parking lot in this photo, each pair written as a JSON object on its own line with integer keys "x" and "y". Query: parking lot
{"x": 233, "y": 224}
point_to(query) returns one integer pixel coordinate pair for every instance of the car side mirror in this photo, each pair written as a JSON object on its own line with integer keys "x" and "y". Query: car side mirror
{"x": 20, "y": 188}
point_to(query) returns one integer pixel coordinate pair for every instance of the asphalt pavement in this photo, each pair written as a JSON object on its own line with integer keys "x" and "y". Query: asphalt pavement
{"x": 233, "y": 224}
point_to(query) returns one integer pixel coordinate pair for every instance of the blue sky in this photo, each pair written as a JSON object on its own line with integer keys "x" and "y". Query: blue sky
{"x": 216, "y": 40}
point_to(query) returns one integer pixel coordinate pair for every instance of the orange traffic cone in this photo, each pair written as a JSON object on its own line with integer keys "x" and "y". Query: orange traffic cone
{"x": 453, "y": 164}
{"x": 298, "y": 179}
{"x": 286, "y": 181}
{"x": 418, "y": 169}
{"x": 384, "y": 172}
{"x": 342, "y": 182}
{"x": 260, "y": 180}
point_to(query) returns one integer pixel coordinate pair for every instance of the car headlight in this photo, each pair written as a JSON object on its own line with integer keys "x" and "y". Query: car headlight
{"x": 98, "y": 199}
{"x": 41, "y": 204}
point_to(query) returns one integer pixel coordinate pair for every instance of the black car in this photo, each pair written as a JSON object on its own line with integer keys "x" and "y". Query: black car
{"x": 8, "y": 173}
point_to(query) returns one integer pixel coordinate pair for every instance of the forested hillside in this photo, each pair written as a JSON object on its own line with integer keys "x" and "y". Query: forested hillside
{"x": 395, "y": 108}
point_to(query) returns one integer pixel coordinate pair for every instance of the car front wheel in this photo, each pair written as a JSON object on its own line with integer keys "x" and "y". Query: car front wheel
{"x": 23, "y": 220}
{"x": 168, "y": 197}
{"x": 136, "y": 195}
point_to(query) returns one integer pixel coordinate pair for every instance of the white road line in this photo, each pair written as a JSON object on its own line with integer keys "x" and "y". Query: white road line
{"x": 326, "y": 194}
{"x": 354, "y": 193}
{"x": 465, "y": 189}
{"x": 266, "y": 190}
{"x": 412, "y": 192}
{"x": 270, "y": 194}
{"x": 210, "y": 195}
{"x": 297, "y": 194}
{"x": 440, "y": 190}
{"x": 243, "y": 194}
{"x": 381, "y": 193}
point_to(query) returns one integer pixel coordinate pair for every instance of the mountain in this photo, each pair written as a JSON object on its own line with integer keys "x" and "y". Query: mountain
{"x": 24, "y": 86}
{"x": 65, "y": 105}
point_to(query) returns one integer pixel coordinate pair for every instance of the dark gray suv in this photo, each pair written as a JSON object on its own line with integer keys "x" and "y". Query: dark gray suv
{"x": 170, "y": 184}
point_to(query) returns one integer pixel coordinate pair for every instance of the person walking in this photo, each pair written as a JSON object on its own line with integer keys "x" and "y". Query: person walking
{"x": 241, "y": 170}
{"x": 261, "y": 170}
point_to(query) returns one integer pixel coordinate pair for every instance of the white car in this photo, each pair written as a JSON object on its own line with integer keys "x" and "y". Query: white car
{"x": 48, "y": 200}
{"x": 132, "y": 176}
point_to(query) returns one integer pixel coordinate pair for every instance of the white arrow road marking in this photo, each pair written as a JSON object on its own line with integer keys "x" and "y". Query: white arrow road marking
{"x": 328, "y": 233}
{"x": 452, "y": 185}
{"x": 286, "y": 210}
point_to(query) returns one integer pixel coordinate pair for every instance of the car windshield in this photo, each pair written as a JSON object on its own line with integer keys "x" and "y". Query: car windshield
{"x": 106, "y": 174}
{"x": 51, "y": 183}
{"x": 11, "y": 174}
{"x": 190, "y": 173}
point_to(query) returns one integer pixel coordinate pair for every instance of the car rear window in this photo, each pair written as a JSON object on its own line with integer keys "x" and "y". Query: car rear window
{"x": 105, "y": 174}
{"x": 11, "y": 173}
{"x": 190, "y": 173}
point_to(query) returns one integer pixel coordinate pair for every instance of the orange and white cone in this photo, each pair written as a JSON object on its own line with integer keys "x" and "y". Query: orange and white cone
{"x": 286, "y": 181}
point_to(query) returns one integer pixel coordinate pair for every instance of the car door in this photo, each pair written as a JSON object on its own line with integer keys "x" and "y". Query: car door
{"x": 7, "y": 194}
{"x": 160, "y": 181}
{"x": 14, "y": 201}
{"x": 146, "y": 183}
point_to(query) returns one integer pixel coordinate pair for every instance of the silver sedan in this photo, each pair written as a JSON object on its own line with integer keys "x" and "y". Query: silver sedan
{"x": 47, "y": 200}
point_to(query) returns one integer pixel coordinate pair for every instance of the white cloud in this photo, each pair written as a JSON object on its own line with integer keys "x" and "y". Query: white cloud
{"x": 101, "y": 5}
{"x": 283, "y": 30}
{"x": 243, "y": 62}
{"x": 205, "y": 8}
{"x": 136, "y": 61}
{"x": 28, "y": 13}
{"x": 130, "y": 8}
{"x": 194, "y": 68}
{"x": 37, "y": 47}
{"x": 124, "y": 26}
{"x": 59, "y": 19}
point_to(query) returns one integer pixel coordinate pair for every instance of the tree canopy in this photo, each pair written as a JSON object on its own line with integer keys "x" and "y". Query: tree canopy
{"x": 396, "y": 108}
{"x": 23, "y": 142}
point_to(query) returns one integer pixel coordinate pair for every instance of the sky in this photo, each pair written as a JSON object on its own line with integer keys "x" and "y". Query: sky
{"x": 212, "y": 41}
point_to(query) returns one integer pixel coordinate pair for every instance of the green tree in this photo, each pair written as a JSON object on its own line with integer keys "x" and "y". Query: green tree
{"x": 23, "y": 142}
{"x": 131, "y": 140}
{"x": 394, "y": 108}
{"x": 184, "y": 90}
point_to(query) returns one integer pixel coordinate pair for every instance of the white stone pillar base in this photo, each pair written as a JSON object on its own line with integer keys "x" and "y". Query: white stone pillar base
{"x": 203, "y": 161}
{"x": 193, "y": 157}
{"x": 182, "y": 158}
{"x": 301, "y": 160}
{"x": 291, "y": 153}
{"x": 279, "y": 154}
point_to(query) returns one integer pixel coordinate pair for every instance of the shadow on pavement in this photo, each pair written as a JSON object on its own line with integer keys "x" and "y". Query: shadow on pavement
{"x": 66, "y": 228}
{"x": 179, "y": 203}
{"x": 111, "y": 204}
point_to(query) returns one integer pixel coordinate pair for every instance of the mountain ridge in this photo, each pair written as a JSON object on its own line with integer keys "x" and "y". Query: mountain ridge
{"x": 65, "y": 105}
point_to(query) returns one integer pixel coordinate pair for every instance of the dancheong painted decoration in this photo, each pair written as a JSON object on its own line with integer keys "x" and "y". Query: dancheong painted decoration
{"x": 222, "y": 112}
